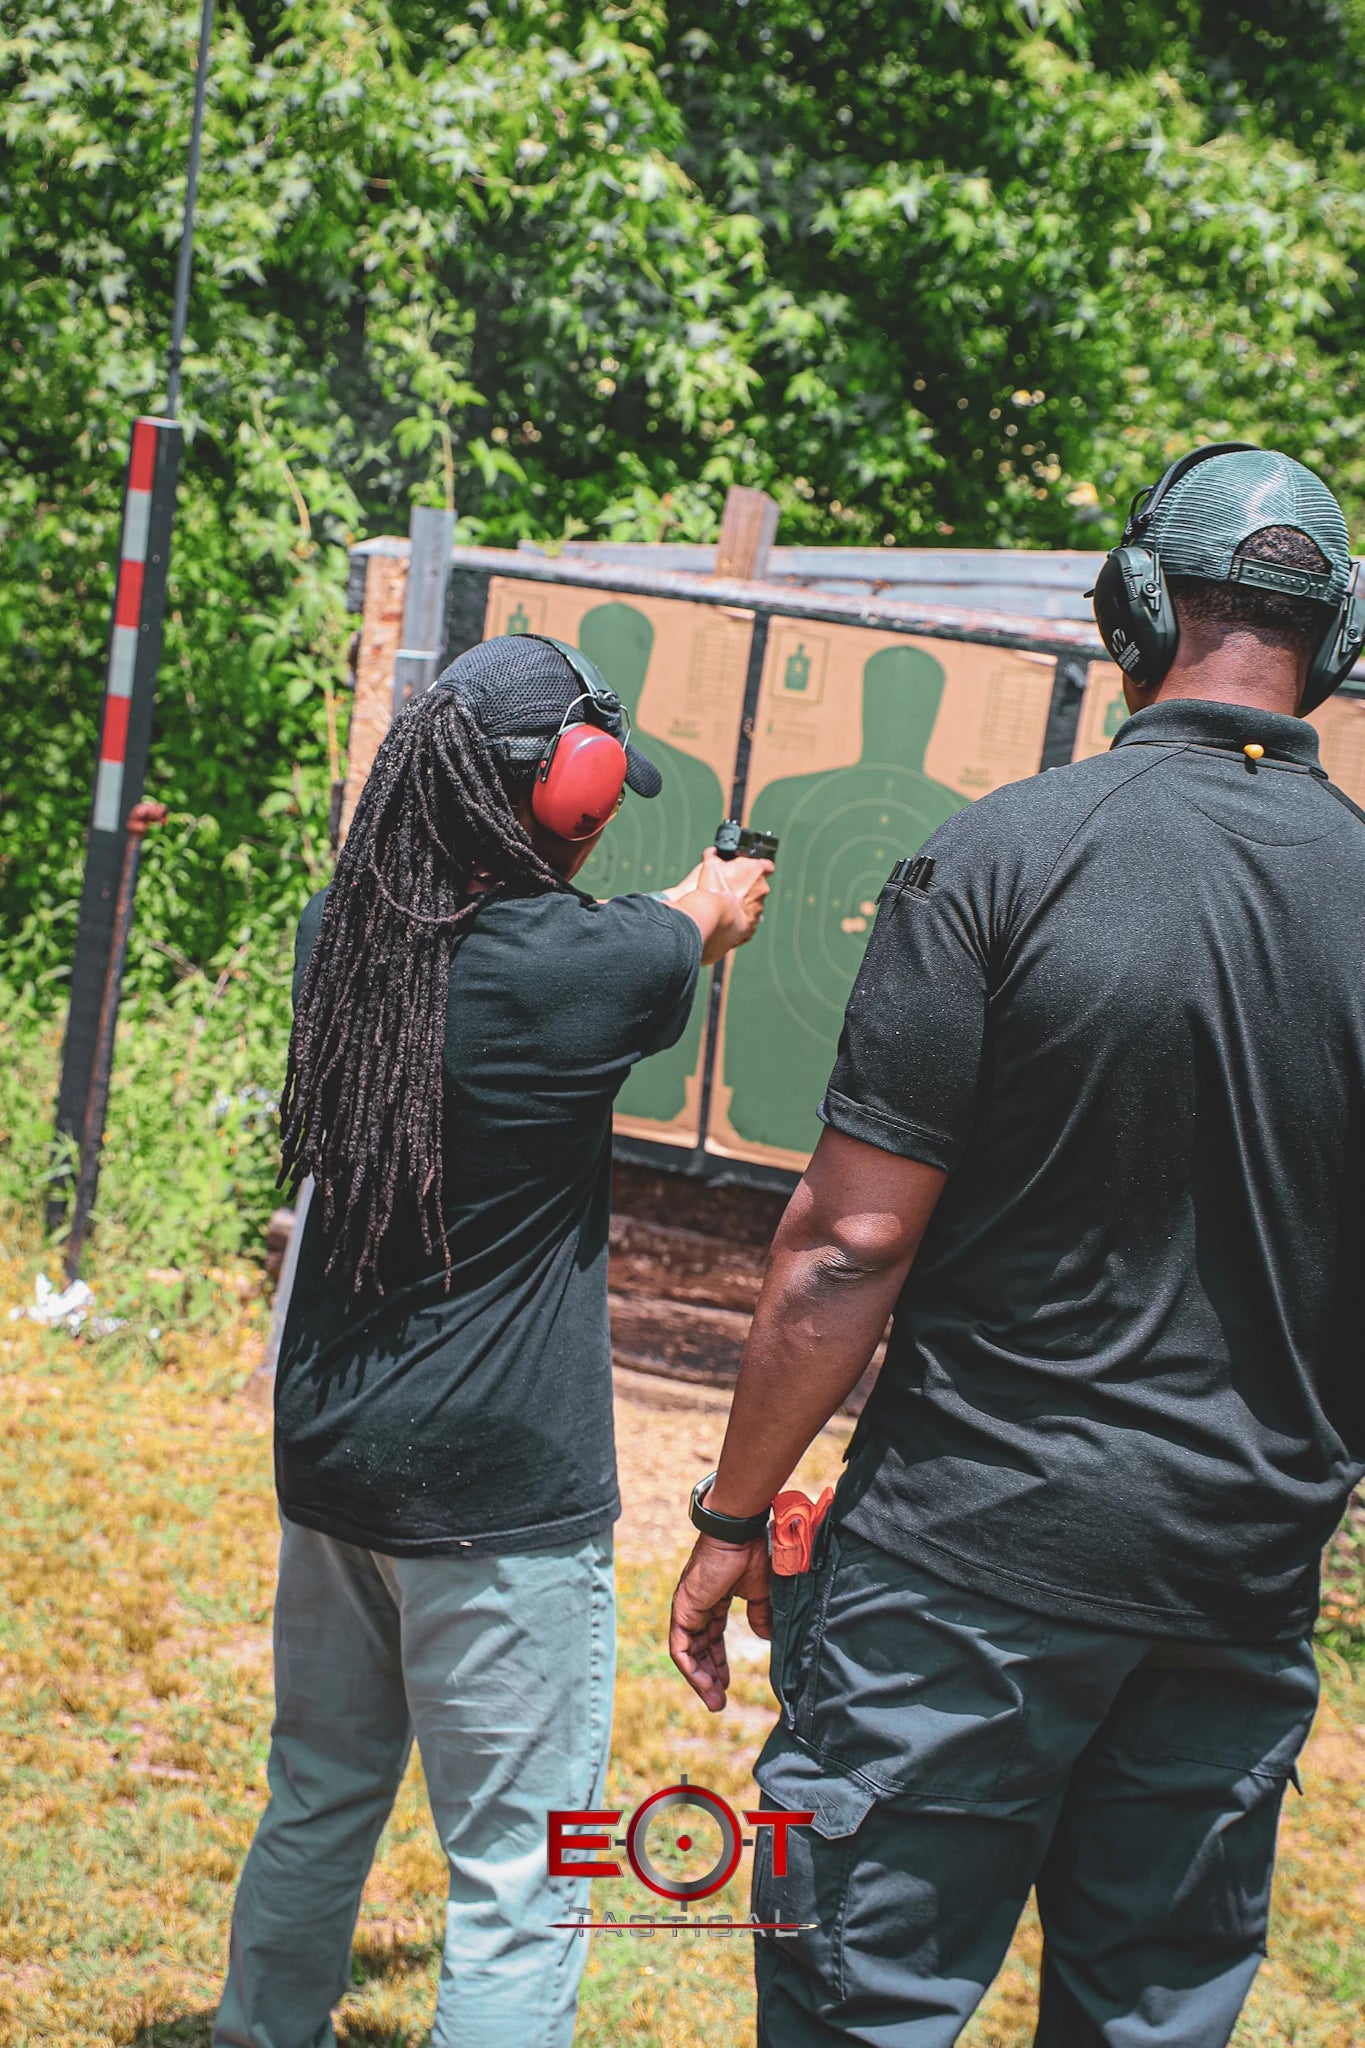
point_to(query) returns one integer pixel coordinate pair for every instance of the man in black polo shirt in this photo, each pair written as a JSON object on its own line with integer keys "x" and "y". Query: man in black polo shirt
{"x": 1097, "y": 1133}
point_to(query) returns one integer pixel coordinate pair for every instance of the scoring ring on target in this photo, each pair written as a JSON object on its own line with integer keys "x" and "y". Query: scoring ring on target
{"x": 684, "y": 1887}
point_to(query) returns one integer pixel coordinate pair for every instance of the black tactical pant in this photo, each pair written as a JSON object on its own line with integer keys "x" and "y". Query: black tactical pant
{"x": 958, "y": 1752}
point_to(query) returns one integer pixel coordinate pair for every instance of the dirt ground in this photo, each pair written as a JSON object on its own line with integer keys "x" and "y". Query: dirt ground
{"x": 668, "y": 1434}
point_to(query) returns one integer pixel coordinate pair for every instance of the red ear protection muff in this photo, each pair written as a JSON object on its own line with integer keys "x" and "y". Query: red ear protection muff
{"x": 579, "y": 783}
{"x": 582, "y": 775}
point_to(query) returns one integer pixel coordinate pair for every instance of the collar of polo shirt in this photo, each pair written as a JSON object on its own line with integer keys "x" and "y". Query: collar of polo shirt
{"x": 1225, "y": 728}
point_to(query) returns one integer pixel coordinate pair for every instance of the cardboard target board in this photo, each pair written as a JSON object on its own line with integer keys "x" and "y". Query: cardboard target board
{"x": 1341, "y": 743}
{"x": 1103, "y": 710}
{"x": 679, "y": 669}
{"x": 847, "y": 726}
{"x": 864, "y": 743}
{"x": 849, "y": 734}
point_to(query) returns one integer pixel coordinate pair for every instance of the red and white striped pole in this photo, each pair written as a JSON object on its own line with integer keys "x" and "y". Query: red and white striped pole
{"x": 120, "y": 772}
{"x": 123, "y": 642}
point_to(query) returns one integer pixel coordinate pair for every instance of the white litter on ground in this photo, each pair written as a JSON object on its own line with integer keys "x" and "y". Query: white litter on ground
{"x": 70, "y": 1308}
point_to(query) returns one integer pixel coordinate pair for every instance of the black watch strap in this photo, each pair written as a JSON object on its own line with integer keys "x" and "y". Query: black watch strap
{"x": 725, "y": 1528}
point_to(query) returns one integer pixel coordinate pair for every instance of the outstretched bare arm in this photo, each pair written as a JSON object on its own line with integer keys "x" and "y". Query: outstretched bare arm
{"x": 838, "y": 1262}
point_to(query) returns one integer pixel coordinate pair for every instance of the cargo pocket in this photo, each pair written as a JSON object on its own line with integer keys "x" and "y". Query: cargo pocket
{"x": 803, "y": 1908}
{"x": 799, "y": 1782}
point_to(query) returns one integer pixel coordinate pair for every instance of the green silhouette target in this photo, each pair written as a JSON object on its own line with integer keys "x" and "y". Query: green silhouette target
{"x": 652, "y": 843}
{"x": 842, "y": 830}
{"x": 864, "y": 741}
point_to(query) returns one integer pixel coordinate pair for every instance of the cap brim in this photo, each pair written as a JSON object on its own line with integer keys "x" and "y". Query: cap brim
{"x": 641, "y": 774}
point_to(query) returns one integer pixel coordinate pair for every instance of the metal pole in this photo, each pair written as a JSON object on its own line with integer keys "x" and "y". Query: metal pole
{"x": 140, "y": 819}
{"x": 121, "y": 759}
{"x": 416, "y": 665}
{"x": 186, "y": 258}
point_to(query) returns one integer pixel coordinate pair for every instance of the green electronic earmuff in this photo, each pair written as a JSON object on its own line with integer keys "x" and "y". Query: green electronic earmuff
{"x": 1137, "y": 620}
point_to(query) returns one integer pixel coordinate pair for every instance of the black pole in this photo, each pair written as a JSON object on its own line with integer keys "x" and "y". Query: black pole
{"x": 186, "y": 258}
{"x": 120, "y": 765}
{"x": 140, "y": 819}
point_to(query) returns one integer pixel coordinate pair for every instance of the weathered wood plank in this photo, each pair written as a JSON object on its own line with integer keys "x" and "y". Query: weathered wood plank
{"x": 652, "y": 1259}
{"x": 380, "y": 632}
{"x": 899, "y": 611}
{"x": 748, "y": 527}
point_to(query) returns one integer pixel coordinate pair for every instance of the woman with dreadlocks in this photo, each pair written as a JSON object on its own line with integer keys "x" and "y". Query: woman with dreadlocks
{"x": 464, "y": 1017}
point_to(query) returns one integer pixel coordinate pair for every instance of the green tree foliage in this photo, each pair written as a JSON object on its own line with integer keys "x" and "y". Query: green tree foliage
{"x": 424, "y": 253}
{"x": 920, "y": 267}
{"x": 1015, "y": 255}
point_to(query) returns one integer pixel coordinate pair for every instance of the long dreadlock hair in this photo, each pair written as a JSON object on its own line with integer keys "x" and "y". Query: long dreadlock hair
{"x": 363, "y": 1094}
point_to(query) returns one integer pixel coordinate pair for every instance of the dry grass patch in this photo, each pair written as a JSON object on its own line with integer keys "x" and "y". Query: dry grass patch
{"x": 137, "y": 1553}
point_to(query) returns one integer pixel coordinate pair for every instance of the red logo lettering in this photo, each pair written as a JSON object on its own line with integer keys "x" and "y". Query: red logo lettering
{"x": 569, "y": 1842}
{"x": 561, "y": 1844}
{"x": 779, "y": 1823}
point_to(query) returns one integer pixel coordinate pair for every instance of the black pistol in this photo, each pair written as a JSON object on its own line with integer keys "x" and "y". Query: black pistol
{"x": 733, "y": 839}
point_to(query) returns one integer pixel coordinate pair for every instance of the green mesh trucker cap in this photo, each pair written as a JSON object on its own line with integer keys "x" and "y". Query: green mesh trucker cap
{"x": 1207, "y": 514}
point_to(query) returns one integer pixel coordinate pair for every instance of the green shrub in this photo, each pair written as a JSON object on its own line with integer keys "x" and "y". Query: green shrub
{"x": 192, "y": 1143}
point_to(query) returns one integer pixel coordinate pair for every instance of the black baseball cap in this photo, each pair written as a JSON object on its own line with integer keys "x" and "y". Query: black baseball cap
{"x": 518, "y": 689}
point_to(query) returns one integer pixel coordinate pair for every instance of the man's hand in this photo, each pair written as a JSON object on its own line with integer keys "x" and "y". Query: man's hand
{"x": 714, "y": 1575}
{"x": 724, "y": 899}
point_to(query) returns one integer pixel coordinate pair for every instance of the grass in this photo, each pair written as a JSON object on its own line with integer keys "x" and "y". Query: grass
{"x": 137, "y": 1553}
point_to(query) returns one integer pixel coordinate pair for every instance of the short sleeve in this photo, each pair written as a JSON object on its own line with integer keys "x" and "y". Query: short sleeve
{"x": 910, "y": 1052}
{"x": 668, "y": 961}
{"x": 594, "y": 986}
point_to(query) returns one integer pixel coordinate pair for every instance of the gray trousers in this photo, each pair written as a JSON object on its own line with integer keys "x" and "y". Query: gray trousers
{"x": 502, "y": 1667}
{"x": 958, "y": 1752}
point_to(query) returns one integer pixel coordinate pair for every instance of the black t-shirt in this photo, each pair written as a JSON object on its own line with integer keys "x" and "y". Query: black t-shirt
{"x": 1126, "y": 1013}
{"x": 481, "y": 1419}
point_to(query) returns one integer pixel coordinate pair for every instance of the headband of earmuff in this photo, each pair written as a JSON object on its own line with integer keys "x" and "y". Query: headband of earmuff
{"x": 1145, "y": 502}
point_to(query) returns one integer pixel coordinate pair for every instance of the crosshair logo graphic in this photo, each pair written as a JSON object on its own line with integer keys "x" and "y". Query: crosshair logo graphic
{"x": 568, "y": 1838}
{"x": 665, "y": 1883}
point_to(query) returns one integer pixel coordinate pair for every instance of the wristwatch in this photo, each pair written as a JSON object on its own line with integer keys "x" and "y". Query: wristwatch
{"x": 725, "y": 1528}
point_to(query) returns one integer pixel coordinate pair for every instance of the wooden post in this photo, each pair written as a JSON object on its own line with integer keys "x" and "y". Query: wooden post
{"x": 417, "y": 664}
{"x": 748, "y": 529}
{"x": 402, "y": 637}
{"x": 381, "y": 628}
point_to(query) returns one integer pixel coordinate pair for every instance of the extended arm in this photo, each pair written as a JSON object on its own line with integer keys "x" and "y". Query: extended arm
{"x": 838, "y": 1262}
